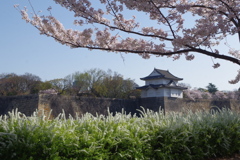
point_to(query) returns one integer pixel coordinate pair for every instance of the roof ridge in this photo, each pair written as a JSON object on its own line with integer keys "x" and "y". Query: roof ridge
{"x": 161, "y": 71}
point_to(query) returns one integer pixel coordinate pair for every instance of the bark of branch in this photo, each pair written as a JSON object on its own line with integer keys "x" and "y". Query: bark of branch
{"x": 219, "y": 56}
{"x": 191, "y": 49}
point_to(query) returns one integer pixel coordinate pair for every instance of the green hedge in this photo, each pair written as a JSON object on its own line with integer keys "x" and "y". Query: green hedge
{"x": 152, "y": 136}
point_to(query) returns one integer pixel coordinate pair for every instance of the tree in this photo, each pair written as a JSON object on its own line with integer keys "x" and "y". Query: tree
{"x": 8, "y": 84}
{"x": 43, "y": 86}
{"x": 59, "y": 84}
{"x": 106, "y": 25}
{"x": 80, "y": 82}
{"x": 115, "y": 86}
{"x": 71, "y": 87}
{"x": 12, "y": 84}
{"x": 186, "y": 85}
{"x": 219, "y": 95}
{"x": 202, "y": 89}
{"x": 194, "y": 94}
{"x": 88, "y": 80}
{"x": 233, "y": 95}
{"x": 30, "y": 83}
{"x": 212, "y": 88}
{"x": 95, "y": 77}
{"x": 99, "y": 83}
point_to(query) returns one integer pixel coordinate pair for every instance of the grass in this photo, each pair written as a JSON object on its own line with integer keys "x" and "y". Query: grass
{"x": 153, "y": 135}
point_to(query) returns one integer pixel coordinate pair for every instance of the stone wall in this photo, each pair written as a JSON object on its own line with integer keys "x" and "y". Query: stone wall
{"x": 81, "y": 105}
{"x": 152, "y": 103}
{"x": 75, "y": 105}
{"x": 179, "y": 105}
{"x": 25, "y": 104}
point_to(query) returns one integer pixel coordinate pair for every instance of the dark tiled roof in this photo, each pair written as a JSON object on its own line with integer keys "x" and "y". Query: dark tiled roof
{"x": 162, "y": 74}
{"x": 156, "y": 86}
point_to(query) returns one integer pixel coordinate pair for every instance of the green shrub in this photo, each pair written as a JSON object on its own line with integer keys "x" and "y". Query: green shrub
{"x": 152, "y": 136}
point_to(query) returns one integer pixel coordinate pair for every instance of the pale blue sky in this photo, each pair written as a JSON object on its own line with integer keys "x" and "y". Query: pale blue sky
{"x": 23, "y": 50}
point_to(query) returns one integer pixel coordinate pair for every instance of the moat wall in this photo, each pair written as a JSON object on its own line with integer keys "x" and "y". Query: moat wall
{"x": 26, "y": 104}
{"x": 75, "y": 105}
{"x": 80, "y": 105}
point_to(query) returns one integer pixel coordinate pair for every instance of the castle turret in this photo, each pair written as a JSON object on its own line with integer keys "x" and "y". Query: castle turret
{"x": 161, "y": 83}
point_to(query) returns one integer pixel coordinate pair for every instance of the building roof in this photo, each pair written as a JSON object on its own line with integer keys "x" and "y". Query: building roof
{"x": 156, "y": 86}
{"x": 162, "y": 74}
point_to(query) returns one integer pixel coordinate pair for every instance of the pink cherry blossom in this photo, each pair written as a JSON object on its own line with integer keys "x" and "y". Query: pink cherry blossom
{"x": 195, "y": 94}
{"x": 215, "y": 20}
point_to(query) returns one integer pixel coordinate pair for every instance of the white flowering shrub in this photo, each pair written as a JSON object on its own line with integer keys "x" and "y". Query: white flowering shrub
{"x": 150, "y": 136}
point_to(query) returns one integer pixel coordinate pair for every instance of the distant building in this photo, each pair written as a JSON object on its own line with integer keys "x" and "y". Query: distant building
{"x": 49, "y": 91}
{"x": 161, "y": 83}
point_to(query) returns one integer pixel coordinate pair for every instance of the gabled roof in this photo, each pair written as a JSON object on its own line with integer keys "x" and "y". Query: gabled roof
{"x": 161, "y": 74}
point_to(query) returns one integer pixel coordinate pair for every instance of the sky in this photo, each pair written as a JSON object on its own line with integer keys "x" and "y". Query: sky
{"x": 24, "y": 50}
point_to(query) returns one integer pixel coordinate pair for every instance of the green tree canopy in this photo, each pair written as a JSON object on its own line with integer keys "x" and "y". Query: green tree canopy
{"x": 99, "y": 83}
{"x": 94, "y": 82}
{"x": 212, "y": 88}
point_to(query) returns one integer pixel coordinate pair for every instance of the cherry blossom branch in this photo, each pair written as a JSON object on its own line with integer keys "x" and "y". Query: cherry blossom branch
{"x": 169, "y": 25}
{"x": 123, "y": 28}
{"x": 215, "y": 21}
{"x": 192, "y": 49}
{"x": 221, "y": 12}
{"x": 219, "y": 56}
{"x": 229, "y": 8}
{"x": 235, "y": 21}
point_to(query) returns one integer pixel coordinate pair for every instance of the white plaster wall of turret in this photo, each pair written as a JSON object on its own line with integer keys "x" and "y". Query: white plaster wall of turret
{"x": 176, "y": 93}
{"x": 157, "y": 81}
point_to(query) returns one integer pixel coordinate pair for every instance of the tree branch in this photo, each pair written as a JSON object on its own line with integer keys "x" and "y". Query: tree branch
{"x": 116, "y": 15}
{"x": 126, "y": 31}
{"x": 191, "y": 49}
{"x": 170, "y": 26}
{"x": 211, "y": 54}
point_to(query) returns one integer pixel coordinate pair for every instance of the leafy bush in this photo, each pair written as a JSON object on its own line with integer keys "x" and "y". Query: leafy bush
{"x": 152, "y": 136}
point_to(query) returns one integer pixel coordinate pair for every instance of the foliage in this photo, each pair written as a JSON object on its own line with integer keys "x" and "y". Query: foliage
{"x": 151, "y": 136}
{"x": 212, "y": 88}
{"x": 107, "y": 27}
{"x": 89, "y": 80}
{"x": 44, "y": 86}
{"x": 115, "y": 86}
{"x": 59, "y": 84}
{"x": 12, "y": 84}
{"x": 94, "y": 82}
{"x": 98, "y": 83}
